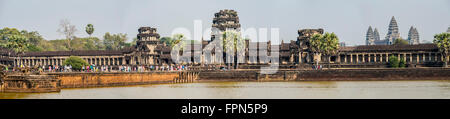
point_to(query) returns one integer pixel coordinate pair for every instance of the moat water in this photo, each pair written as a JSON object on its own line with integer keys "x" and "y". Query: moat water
{"x": 256, "y": 90}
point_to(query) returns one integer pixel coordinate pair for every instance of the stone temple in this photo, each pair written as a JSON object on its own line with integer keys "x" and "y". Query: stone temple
{"x": 393, "y": 33}
{"x": 373, "y": 37}
{"x": 150, "y": 51}
{"x": 370, "y": 38}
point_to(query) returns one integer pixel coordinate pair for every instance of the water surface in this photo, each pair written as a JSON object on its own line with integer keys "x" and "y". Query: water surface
{"x": 256, "y": 90}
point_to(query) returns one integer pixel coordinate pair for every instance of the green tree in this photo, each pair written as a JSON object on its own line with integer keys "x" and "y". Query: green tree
{"x": 400, "y": 41}
{"x": 35, "y": 39}
{"x": 176, "y": 39}
{"x": 442, "y": 41}
{"x": 402, "y": 63}
{"x": 89, "y": 43}
{"x": 76, "y": 62}
{"x": 58, "y": 45}
{"x": 330, "y": 45}
{"x": 393, "y": 62}
{"x": 133, "y": 42}
{"x": 114, "y": 41}
{"x": 90, "y": 29}
{"x": 18, "y": 43}
{"x": 166, "y": 40}
{"x": 327, "y": 45}
{"x": 315, "y": 43}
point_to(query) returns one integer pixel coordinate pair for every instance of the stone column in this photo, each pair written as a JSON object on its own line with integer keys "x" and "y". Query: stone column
{"x": 375, "y": 58}
{"x": 417, "y": 58}
{"x": 345, "y": 58}
{"x": 351, "y": 58}
{"x": 123, "y": 60}
{"x": 338, "y": 58}
{"x": 423, "y": 57}
{"x": 363, "y": 58}
{"x": 429, "y": 56}
{"x": 410, "y": 57}
{"x": 357, "y": 58}
{"x": 114, "y": 61}
{"x": 300, "y": 57}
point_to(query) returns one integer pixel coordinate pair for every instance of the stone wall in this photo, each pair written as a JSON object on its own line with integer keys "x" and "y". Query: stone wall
{"x": 376, "y": 74}
{"x": 30, "y": 83}
{"x": 79, "y": 80}
{"x": 330, "y": 75}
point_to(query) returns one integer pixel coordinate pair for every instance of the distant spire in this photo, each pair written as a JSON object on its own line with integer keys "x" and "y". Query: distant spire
{"x": 413, "y": 36}
{"x": 392, "y": 31}
{"x": 369, "y": 36}
{"x": 410, "y": 34}
{"x": 416, "y": 36}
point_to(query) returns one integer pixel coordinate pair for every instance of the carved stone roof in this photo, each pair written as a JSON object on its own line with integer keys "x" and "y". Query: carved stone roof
{"x": 5, "y": 51}
{"x": 387, "y": 48}
{"x": 146, "y": 28}
{"x": 163, "y": 48}
{"x": 285, "y": 46}
{"x": 74, "y": 53}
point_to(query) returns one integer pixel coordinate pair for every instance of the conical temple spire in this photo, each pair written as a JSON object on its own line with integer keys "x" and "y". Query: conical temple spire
{"x": 413, "y": 36}
{"x": 392, "y": 31}
{"x": 393, "y": 20}
{"x": 370, "y": 37}
{"x": 376, "y": 35}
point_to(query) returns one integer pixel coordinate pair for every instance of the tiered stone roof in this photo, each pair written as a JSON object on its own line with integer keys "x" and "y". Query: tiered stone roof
{"x": 413, "y": 36}
{"x": 376, "y": 35}
{"x": 226, "y": 19}
{"x": 370, "y": 39}
{"x": 390, "y": 48}
{"x": 393, "y": 32}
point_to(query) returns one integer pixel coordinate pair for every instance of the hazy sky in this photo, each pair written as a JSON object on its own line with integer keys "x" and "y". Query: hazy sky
{"x": 349, "y": 19}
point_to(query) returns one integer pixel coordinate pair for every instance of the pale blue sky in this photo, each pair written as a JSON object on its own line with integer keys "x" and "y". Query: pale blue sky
{"x": 349, "y": 19}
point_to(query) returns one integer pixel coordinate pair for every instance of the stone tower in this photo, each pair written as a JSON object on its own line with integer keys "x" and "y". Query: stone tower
{"x": 303, "y": 42}
{"x": 376, "y": 35}
{"x": 413, "y": 36}
{"x": 448, "y": 30}
{"x": 393, "y": 33}
{"x": 370, "y": 39}
{"x": 147, "y": 41}
{"x": 225, "y": 20}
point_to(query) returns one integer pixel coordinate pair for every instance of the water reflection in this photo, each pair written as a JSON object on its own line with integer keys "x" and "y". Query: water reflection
{"x": 258, "y": 90}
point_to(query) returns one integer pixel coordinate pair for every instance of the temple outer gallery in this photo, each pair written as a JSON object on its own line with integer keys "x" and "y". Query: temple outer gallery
{"x": 149, "y": 51}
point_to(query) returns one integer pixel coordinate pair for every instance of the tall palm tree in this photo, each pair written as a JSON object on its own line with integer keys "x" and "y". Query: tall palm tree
{"x": 232, "y": 44}
{"x": 443, "y": 43}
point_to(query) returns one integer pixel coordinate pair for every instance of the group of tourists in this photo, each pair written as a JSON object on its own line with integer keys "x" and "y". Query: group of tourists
{"x": 152, "y": 68}
{"x": 122, "y": 68}
{"x": 56, "y": 68}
